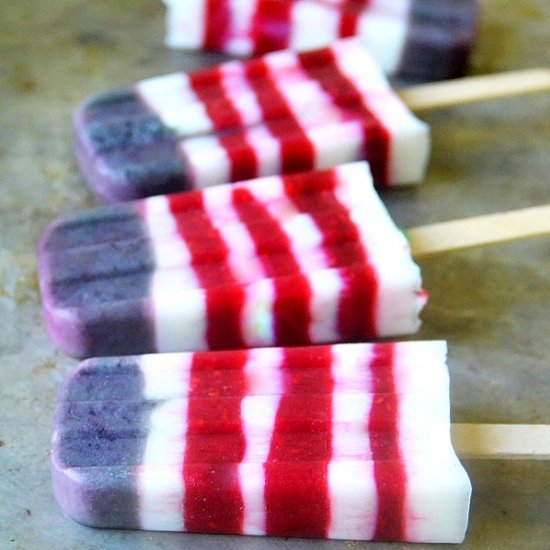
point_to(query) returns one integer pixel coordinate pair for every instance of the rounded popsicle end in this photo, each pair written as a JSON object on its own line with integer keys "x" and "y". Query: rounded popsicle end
{"x": 124, "y": 151}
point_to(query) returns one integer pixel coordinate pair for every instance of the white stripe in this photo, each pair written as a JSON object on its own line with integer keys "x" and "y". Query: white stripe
{"x": 159, "y": 220}
{"x": 258, "y": 414}
{"x": 305, "y": 94}
{"x": 185, "y": 23}
{"x": 165, "y": 375}
{"x": 423, "y": 424}
{"x": 399, "y": 281}
{"x": 326, "y": 287}
{"x": 172, "y": 98}
{"x": 312, "y": 108}
{"x": 283, "y": 60}
{"x": 438, "y": 501}
{"x": 257, "y": 315}
{"x": 410, "y": 138}
{"x": 318, "y": 117}
{"x": 355, "y": 63}
{"x": 160, "y": 481}
{"x": 304, "y": 237}
{"x": 242, "y": 259}
{"x": 350, "y": 437}
{"x": 219, "y": 199}
{"x": 169, "y": 250}
{"x": 438, "y": 494}
{"x": 179, "y": 313}
{"x": 336, "y": 143}
{"x": 420, "y": 366}
{"x": 252, "y": 482}
{"x": 353, "y": 498}
{"x": 350, "y": 367}
{"x": 305, "y": 241}
{"x": 239, "y": 40}
{"x": 178, "y": 305}
{"x": 205, "y": 160}
{"x": 384, "y": 32}
{"x": 399, "y": 294}
{"x": 263, "y": 371}
{"x": 171, "y": 253}
{"x": 267, "y": 149}
{"x": 270, "y": 191}
{"x": 258, "y": 442}
{"x": 238, "y": 90}
{"x": 312, "y": 25}
{"x": 303, "y": 234}
{"x": 355, "y": 186}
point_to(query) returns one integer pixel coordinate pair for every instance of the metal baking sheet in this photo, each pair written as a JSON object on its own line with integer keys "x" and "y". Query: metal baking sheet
{"x": 491, "y": 304}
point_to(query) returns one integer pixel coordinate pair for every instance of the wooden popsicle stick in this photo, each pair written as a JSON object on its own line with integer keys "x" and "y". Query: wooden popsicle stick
{"x": 502, "y": 441}
{"x": 472, "y": 89}
{"x": 479, "y": 230}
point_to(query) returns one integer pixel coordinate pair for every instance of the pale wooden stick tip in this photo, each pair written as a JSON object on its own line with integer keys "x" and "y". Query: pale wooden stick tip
{"x": 502, "y": 441}
{"x": 479, "y": 230}
{"x": 449, "y": 93}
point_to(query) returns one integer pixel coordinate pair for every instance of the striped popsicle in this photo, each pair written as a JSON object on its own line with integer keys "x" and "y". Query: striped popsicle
{"x": 282, "y": 260}
{"x": 410, "y": 39}
{"x": 348, "y": 441}
{"x": 281, "y": 113}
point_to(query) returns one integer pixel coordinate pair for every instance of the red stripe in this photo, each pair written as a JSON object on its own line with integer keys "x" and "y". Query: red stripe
{"x": 306, "y": 370}
{"x": 350, "y": 11}
{"x": 216, "y": 373}
{"x": 317, "y": 205}
{"x": 292, "y": 303}
{"x": 216, "y": 20}
{"x": 270, "y": 27}
{"x": 357, "y": 308}
{"x": 296, "y": 150}
{"x": 213, "y": 501}
{"x": 260, "y": 224}
{"x": 296, "y": 494}
{"x": 225, "y": 116}
{"x": 179, "y": 202}
{"x": 309, "y": 182}
{"x": 389, "y": 468}
{"x": 376, "y": 138}
{"x": 224, "y": 305}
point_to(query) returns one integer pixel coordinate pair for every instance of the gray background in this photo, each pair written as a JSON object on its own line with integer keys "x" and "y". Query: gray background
{"x": 491, "y": 304}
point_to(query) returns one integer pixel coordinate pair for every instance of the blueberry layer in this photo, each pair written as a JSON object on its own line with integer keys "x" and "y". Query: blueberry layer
{"x": 107, "y": 379}
{"x": 106, "y": 496}
{"x": 105, "y": 260}
{"x": 124, "y": 150}
{"x": 91, "y": 227}
{"x": 103, "y": 433}
{"x": 440, "y": 38}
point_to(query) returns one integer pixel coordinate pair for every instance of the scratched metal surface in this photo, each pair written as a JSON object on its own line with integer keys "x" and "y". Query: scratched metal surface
{"x": 491, "y": 304}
